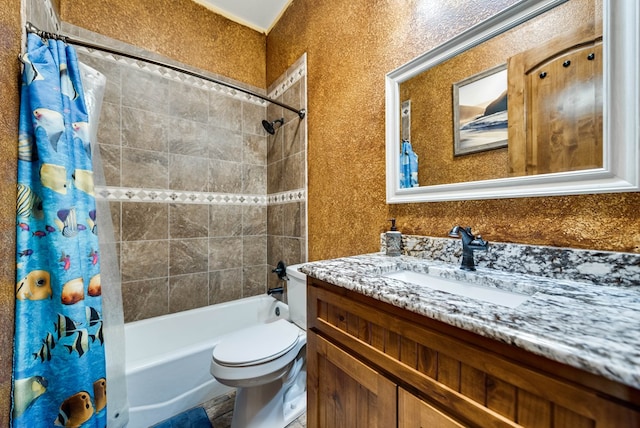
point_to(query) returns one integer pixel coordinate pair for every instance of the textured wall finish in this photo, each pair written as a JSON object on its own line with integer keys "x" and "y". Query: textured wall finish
{"x": 350, "y": 46}
{"x": 178, "y": 29}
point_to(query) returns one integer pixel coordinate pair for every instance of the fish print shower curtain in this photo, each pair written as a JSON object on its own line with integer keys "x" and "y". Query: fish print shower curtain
{"x": 59, "y": 361}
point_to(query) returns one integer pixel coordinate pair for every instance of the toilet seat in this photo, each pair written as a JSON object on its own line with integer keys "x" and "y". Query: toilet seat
{"x": 257, "y": 344}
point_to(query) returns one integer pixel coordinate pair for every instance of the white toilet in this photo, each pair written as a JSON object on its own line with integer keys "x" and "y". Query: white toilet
{"x": 267, "y": 364}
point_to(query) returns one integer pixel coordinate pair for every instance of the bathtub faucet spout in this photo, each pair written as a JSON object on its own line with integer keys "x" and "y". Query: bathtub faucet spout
{"x": 275, "y": 290}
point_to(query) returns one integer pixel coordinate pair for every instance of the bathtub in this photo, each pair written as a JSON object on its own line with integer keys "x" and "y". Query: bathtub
{"x": 168, "y": 357}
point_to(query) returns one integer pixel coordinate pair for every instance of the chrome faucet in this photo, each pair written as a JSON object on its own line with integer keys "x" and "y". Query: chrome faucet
{"x": 469, "y": 244}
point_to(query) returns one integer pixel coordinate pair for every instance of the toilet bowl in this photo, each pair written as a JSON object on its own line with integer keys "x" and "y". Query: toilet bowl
{"x": 267, "y": 364}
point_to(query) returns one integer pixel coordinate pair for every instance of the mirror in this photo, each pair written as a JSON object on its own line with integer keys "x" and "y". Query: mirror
{"x": 613, "y": 168}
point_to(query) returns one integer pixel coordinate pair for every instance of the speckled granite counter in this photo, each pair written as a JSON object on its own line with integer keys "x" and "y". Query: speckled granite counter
{"x": 590, "y": 326}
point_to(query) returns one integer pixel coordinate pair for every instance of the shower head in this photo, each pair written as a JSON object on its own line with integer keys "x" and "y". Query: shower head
{"x": 270, "y": 126}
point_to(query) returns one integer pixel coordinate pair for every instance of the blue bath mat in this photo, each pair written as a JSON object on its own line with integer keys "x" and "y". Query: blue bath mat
{"x": 194, "y": 418}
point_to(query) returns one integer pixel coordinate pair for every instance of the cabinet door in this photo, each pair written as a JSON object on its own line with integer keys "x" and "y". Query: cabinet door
{"x": 414, "y": 413}
{"x": 344, "y": 392}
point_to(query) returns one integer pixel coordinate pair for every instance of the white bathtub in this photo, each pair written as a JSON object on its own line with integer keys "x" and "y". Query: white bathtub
{"x": 168, "y": 357}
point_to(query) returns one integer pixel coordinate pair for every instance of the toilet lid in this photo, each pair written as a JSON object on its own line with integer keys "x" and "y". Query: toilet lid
{"x": 257, "y": 344}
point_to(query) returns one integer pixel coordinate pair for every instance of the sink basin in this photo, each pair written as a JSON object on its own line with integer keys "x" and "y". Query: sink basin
{"x": 460, "y": 288}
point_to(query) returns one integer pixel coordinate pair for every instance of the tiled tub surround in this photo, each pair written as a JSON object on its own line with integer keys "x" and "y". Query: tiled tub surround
{"x": 187, "y": 170}
{"x": 594, "y": 326}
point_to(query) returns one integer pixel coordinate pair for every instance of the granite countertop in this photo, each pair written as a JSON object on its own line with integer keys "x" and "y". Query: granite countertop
{"x": 592, "y": 327}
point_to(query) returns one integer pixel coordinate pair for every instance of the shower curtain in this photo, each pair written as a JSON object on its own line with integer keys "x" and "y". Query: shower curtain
{"x": 59, "y": 374}
{"x": 94, "y": 84}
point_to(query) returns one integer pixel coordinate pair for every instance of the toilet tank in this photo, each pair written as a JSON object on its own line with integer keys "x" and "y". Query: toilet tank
{"x": 297, "y": 296}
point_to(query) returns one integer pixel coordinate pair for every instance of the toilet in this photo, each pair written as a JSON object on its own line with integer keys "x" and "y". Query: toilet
{"x": 267, "y": 364}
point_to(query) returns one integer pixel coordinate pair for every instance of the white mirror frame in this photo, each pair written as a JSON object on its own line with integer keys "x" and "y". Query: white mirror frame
{"x": 621, "y": 112}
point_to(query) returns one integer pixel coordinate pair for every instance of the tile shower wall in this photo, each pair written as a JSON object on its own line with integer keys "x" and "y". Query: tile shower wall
{"x": 286, "y": 172}
{"x": 188, "y": 176}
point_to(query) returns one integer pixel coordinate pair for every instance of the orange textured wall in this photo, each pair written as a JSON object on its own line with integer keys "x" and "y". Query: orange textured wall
{"x": 10, "y": 40}
{"x": 351, "y": 45}
{"x": 179, "y": 29}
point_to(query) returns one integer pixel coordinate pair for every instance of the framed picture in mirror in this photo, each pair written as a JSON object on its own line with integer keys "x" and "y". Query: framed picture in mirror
{"x": 480, "y": 112}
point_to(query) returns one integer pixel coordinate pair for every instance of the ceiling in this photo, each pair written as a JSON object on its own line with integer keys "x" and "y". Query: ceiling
{"x": 261, "y": 15}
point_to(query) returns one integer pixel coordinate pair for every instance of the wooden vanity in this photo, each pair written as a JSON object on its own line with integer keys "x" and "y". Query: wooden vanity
{"x": 373, "y": 364}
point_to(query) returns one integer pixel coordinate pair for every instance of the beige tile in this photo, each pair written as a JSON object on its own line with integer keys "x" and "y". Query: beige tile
{"x": 292, "y": 172}
{"x": 188, "y": 173}
{"x": 143, "y": 221}
{"x": 188, "y": 221}
{"x": 254, "y": 150}
{"x": 188, "y": 256}
{"x": 292, "y": 96}
{"x": 144, "y": 260}
{"x": 252, "y": 117}
{"x": 145, "y": 91}
{"x": 225, "y": 253}
{"x": 275, "y": 176}
{"x": 142, "y": 129}
{"x": 275, "y": 219}
{"x": 188, "y": 102}
{"x": 109, "y": 125}
{"x": 225, "y": 177}
{"x": 145, "y": 299}
{"x": 254, "y": 280}
{"x": 141, "y": 168}
{"x": 293, "y": 138}
{"x": 254, "y": 179}
{"x": 254, "y": 220}
{"x": 225, "y": 144}
{"x": 188, "y": 292}
{"x": 225, "y": 285}
{"x": 275, "y": 144}
{"x": 114, "y": 208}
{"x": 293, "y": 219}
{"x": 274, "y": 249}
{"x": 187, "y": 137}
{"x": 110, "y": 156}
{"x": 223, "y": 112}
{"x": 293, "y": 250}
{"x": 225, "y": 220}
{"x": 254, "y": 250}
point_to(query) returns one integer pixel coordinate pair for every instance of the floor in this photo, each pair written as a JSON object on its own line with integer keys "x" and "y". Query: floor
{"x": 220, "y": 411}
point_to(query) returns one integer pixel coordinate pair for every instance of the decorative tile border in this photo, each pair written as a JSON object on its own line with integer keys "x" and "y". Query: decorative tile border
{"x": 170, "y": 74}
{"x": 296, "y": 74}
{"x": 132, "y": 194}
{"x": 298, "y": 195}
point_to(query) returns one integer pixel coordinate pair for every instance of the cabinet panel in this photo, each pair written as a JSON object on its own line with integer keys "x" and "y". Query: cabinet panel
{"x": 533, "y": 411}
{"x": 344, "y": 392}
{"x": 414, "y": 413}
{"x": 466, "y": 377}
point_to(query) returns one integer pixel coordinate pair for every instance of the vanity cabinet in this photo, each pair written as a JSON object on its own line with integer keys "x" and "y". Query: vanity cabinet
{"x": 373, "y": 364}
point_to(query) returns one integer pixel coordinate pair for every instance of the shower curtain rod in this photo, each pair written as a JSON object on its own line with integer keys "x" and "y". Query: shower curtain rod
{"x": 70, "y": 40}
